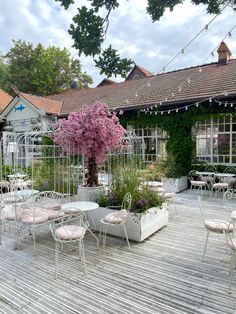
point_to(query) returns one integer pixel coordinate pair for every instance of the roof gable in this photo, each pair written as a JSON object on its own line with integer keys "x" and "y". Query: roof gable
{"x": 48, "y": 105}
{"x": 138, "y": 72}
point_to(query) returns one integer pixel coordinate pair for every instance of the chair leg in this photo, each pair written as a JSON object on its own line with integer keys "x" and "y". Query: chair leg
{"x": 232, "y": 265}
{"x": 83, "y": 255}
{"x": 203, "y": 256}
{"x": 126, "y": 235}
{"x": 56, "y": 258}
{"x": 104, "y": 236}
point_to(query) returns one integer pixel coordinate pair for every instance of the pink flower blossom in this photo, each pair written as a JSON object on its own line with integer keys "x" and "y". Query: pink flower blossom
{"x": 93, "y": 132}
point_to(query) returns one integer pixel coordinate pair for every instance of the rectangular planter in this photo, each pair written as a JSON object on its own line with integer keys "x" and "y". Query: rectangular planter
{"x": 175, "y": 185}
{"x": 139, "y": 226}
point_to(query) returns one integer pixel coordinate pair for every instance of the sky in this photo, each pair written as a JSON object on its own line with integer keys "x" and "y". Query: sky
{"x": 131, "y": 32}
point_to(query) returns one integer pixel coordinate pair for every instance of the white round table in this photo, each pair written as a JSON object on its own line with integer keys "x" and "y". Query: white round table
{"x": 23, "y": 193}
{"x": 83, "y": 206}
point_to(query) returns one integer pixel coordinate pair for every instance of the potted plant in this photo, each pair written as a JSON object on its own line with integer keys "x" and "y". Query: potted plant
{"x": 91, "y": 132}
{"x": 148, "y": 211}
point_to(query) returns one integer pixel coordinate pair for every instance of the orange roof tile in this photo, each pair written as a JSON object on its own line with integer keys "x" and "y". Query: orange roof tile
{"x": 4, "y": 99}
{"x": 49, "y": 105}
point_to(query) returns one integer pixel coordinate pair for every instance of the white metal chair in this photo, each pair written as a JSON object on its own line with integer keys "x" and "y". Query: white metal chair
{"x": 69, "y": 229}
{"x": 196, "y": 181}
{"x": 230, "y": 180}
{"x": 118, "y": 218}
{"x": 39, "y": 210}
{"x": 219, "y": 185}
{"x": 229, "y": 201}
{"x": 231, "y": 242}
{"x": 213, "y": 225}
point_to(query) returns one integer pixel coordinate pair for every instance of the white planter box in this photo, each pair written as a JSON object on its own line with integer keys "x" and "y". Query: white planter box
{"x": 89, "y": 194}
{"x": 139, "y": 226}
{"x": 175, "y": 185}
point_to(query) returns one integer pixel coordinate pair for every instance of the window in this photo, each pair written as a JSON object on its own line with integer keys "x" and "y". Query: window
{"x": 216, "y": 140}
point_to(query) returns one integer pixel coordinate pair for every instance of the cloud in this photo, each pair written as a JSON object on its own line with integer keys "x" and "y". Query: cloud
{"x": 131, "y": 32}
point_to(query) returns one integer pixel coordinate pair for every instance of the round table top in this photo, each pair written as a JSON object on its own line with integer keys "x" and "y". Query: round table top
{"x": 83, "y": 206}
{"x": 26, "y": 192}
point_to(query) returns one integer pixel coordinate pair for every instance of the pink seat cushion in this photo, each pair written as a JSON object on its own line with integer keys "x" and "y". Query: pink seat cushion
{"x": 9, "y": 212}
{"x": 53, "y": 206}
{"x": 34, "y": 216}
{"x": 53, "y": 214}
{"x": 168, "y": 195}
{"x": 221, "y": 185}
{"x": 70, "y": 232}
{"x": 117, "y": 217}
{"x": 218, "y": 225}
{"x": 12, "y": 199}
{"x": 198, "y": 183}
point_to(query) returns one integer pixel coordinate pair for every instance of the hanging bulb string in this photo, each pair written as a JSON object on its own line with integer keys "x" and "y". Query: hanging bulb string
{"x": 195, "y": 104}
{"x": 184, "y": 48}
{"x": 206, "y": 27}
{"x": 179, "y": 86}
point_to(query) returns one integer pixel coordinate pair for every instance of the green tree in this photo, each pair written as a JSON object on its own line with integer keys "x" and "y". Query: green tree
{"x": 43, "y": 71}
{"x": 89, "y": 28}
{"x": 4, "y": 74}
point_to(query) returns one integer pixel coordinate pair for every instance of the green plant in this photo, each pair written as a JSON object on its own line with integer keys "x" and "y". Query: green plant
{"x": 125, "y": 178}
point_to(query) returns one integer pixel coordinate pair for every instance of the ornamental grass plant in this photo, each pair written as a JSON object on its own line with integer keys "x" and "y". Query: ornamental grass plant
{"x": 125, "y": 178}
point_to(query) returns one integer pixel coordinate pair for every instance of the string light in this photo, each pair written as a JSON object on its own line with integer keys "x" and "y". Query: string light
{"x": 197, "y": 104}
{"x": 210, "y": 100}
{"x": 168, "y": 111}
{"x": 231, "y": 105}
{"x": 177, "y": 110}
{"x": 199, "y": 68}
{"x": 186, "y": 108}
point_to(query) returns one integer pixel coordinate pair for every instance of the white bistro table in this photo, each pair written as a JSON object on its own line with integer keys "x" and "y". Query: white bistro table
{"x": 23, "y": 193}
{"x": 84, "y": 207}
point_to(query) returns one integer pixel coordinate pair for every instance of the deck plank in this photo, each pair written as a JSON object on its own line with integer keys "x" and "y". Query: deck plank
{"x": 162, "y": 275}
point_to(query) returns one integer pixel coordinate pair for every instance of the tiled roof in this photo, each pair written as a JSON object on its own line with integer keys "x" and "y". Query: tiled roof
{"x": 4, "y": 99}
{"x": 145, "y": 71}
{"x": 49, "y": 105}
{"x": 211, "y": 80}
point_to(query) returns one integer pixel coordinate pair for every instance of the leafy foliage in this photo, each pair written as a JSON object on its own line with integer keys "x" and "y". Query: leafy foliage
{"x": 4, "y": 74}
{"x": 43, "y": 71}
{"x": 89, "y": 29}
{"x": 87, "y": 32}
{"x": 110, "y": 63}
{"x": 126, "y": 178}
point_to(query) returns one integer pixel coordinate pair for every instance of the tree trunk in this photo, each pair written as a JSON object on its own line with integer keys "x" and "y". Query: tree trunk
{"x": 92, "y": 172}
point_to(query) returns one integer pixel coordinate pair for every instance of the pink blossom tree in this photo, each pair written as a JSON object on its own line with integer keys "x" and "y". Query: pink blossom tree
{"x": 92, "y": 132}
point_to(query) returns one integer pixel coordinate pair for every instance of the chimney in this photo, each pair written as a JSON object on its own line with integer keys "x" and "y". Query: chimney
{"x": 223, "y": 53}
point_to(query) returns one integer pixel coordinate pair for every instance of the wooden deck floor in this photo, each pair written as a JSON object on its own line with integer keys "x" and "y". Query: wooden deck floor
{"x": 164, "y": 274}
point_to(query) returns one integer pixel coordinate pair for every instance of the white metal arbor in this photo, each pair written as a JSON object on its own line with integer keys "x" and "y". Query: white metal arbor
{"x": 46, "y": 164}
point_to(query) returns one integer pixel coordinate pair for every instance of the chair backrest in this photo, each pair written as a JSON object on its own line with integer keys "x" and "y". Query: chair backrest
{"x": 193, "y": 175}
{"x": 229, "y": 199}
{"x": 211, "y": 168}
{"x": 50, "y": 196}
{"x": 230, "y": 170}
{"x": 126, "y": 203}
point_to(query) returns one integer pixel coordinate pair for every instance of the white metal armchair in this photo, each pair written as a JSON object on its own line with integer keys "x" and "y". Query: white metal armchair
{"x": 118, "y": 218}
{"x": 69, "y": 229}
{"x": 196, "y": 181}
{"x": 213, "y": 225}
